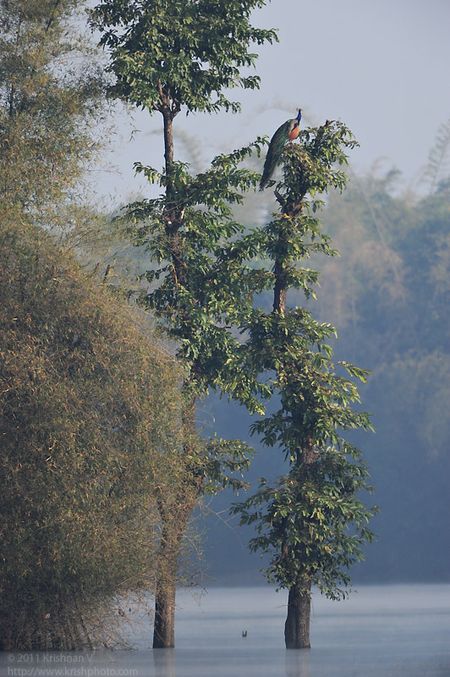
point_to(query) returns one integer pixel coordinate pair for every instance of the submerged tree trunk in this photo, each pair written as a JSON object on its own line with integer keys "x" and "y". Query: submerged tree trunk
{"x": 175, "y": 518}
{"x": 164, "y": 628}
{"x": 296, "y": 628}
{"x": 164, "y": 624}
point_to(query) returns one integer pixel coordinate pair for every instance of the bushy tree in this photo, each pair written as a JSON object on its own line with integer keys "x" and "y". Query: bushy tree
{"x": 89, "y": 418}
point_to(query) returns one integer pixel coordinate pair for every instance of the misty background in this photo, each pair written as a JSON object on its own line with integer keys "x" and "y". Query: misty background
{"x": 382, "y": 68}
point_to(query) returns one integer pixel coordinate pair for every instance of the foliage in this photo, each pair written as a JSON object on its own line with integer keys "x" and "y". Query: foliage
{"x": 88, "y": 409}
{"x": 314, "y": 522}
{"x": 199, "y": 310}
{"x": 387, "y": 295}
{"x": 303, "y": 522}
{"x": 179, "y": 53}
{"x": 50, "y": 96}
{"x": 166, "y": 55}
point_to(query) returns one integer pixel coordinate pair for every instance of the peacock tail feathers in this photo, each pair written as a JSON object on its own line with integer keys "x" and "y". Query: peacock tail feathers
{"x": 289, "y": 130}
{"x": 277, "y": 143}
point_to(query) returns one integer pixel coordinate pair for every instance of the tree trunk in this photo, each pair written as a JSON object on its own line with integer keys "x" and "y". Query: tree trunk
{"x": 164, "y": 628}
{"x": 175, "y": 521}
{"x": 296, "y": 628}
{"x": 169, "y": 550}
{"x": 280, "y": 289}
{"x": 168, "y": 144}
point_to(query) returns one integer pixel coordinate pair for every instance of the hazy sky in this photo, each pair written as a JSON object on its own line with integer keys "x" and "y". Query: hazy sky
{"x": 381, "y": 66}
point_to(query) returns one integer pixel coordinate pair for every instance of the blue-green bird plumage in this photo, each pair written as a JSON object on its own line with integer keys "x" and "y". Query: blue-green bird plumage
{"x": 276, "y": 145}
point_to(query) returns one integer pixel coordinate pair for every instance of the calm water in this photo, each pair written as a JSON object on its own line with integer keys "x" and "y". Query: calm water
{"x": 381, "y": 631}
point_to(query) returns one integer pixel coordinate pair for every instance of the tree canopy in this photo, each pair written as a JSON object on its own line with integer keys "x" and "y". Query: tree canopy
{"x": 180, "y": 53}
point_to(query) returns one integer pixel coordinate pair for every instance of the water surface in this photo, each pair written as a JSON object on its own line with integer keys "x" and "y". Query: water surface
{"x": 381, "y": 631}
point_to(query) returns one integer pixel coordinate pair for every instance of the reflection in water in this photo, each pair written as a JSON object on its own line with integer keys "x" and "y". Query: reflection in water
{"x": 164, "y": 661}
{"x": 298, "y": 663}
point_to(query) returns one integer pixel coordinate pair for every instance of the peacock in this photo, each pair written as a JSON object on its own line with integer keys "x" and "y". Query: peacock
{"x": 288, "y": 131}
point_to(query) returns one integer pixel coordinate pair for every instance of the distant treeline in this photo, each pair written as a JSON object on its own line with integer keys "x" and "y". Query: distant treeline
{"x": 394, "y": 318}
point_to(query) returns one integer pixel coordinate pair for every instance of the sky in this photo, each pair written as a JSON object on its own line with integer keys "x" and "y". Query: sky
{"x": 380, "y": 66}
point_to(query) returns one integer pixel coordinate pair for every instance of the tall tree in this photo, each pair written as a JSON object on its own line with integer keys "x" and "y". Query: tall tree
{"x": 312, "y": 522}
{"x": 169, "y": 56}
